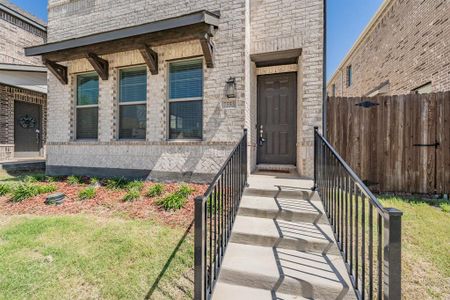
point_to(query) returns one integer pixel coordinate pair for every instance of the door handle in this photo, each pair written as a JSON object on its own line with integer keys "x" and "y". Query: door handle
{"x": 261, "y": 140}
{"x": 37, "y": 136}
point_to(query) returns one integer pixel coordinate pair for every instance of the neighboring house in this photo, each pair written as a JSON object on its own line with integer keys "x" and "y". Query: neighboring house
{"x": 23, "y": 85}
{"x": 404, "y": 49}
{"x": 165, "y": 88}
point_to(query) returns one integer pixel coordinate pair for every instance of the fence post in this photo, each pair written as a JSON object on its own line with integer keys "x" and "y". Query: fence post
{"x": 316, "y": 129}
{"x": 199, "y": 250}
{"x": 392, "y": 254}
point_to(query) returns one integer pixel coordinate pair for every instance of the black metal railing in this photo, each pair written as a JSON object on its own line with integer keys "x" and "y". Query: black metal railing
{"x": 215, "y": 213}
{"x": 368, "y": 234}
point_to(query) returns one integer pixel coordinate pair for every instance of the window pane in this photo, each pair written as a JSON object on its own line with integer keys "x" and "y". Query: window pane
{"x": 133, "y": 119}
{"x": 186, "y": 79}
{"x": 186, "y": 120}
{"x": 87, "y": 123}
{"x": 87, "y": 89}
{"x": 133, "y": 85}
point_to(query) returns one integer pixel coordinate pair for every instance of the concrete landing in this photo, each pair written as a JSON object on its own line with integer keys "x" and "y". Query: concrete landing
{"x": 23, "y": 164}
{"x": 282, "y": 246}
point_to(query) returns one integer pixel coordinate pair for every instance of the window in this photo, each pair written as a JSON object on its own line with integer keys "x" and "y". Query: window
{"x": 349, "y": 76}
{"x": 186, "y": 99}
{"x": 423, "y": 89}
{"x": 333, "y": 90}
{"x": 133, "y": 103}
{"x": 87, "y": 106}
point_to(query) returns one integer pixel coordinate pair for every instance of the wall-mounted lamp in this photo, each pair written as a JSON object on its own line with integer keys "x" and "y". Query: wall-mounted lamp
{"x": 231, "y": 87}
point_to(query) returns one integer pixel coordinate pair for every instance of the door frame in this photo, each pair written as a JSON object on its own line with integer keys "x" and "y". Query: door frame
{"x": 258, "y": 99}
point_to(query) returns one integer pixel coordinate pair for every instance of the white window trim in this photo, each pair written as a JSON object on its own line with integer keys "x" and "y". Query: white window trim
{"x": 143, "y": 102}
{"x": 77, "y": 106}
{"x": 175, "y": 100}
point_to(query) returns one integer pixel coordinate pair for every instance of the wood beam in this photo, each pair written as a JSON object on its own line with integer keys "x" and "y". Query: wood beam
{"x": 151, "y": 58}
{"x": 100, "y": 65}
{"x": 208, "y": 50}
{"x": 58, "y": 70}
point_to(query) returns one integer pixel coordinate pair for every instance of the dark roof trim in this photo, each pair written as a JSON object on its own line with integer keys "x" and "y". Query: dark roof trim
{"x": 202, "y": 17}
{"x": 22, "y": 15}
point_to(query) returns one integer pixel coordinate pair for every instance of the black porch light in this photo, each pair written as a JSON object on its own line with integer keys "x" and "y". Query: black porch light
{"x": 231, "y": 87}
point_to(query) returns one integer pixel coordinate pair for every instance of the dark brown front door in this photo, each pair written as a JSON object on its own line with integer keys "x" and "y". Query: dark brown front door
{"x": 27, "y": 129}
{"x": 277, "y": 118}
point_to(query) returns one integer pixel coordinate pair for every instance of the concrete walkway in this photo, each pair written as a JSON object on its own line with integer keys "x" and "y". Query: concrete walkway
{"x": 282, "y": 246}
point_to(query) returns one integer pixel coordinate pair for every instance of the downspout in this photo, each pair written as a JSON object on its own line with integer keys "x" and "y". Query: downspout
{"x": 324, "y": 89}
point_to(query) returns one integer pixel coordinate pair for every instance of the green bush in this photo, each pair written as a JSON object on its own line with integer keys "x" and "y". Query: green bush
{"x": 73, "y": 180}
{"x": 44, "y": 189}
{"x": 116, "y": 183}
{"x": 135, "y": 184}
{"x": 176, "y": 200}
{"x": 5, "y": 189}
{"x": 24, "y": 191}
{"x": 131, "y": 195}
{"x": 185, "y": 190}
{"x": 94, "y": 181}
{"x": 155, "y": 190}
{"x": 87, "y": 193}
{"x": 30, "y": 179}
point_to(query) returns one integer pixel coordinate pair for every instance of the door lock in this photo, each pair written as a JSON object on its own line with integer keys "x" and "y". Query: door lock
{"x": 261, "y": 140}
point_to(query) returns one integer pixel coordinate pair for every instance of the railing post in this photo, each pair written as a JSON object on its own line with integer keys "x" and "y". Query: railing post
{"x": 199, "y": 250}
{"x": 316, "y": 129}
{"x": 392, "y": 254}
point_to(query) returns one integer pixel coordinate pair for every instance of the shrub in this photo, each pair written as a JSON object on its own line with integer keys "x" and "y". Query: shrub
{"x": 135, "y": 184}
{"x": 155, "y": 190}
{"x": 87, "y": 193}
{"x": 131, "y": 195}
{"x": 116, "y": 183}
{"x": 73, "y": 180}
{"x": 30, "y": 179}
{"x": 185, "y": 190}
{"x": 24, "y": 191}
{"x": 94, "y": 181}
{"x": 5, "y": 189}
{"x": 44, "y": 189}
{"x": 177, "y": 199}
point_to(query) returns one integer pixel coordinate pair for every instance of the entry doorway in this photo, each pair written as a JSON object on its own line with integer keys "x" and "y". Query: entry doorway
{"x": 277, "y": 119}
{"x": 27, "y": 129}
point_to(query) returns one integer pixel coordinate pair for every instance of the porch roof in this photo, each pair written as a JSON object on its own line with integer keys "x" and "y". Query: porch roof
{"x": 199, "y": 25}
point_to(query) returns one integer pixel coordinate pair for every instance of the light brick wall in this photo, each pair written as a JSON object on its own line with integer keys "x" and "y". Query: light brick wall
{"x": 285, "y": 25}
{"x": 12, "y": 43}
{"x": 408, "y": 45}
{"x": 242, "y": 31}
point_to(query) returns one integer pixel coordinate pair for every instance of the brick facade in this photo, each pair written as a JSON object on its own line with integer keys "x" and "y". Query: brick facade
{"x": 242, "y": 32}
{"x": 16, "y": 34}
{"x": 403, "y": 48}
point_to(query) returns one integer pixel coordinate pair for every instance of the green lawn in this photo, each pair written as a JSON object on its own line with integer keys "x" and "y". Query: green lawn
{"x": 88, "y": 257}
{"x": 425, "y": 247}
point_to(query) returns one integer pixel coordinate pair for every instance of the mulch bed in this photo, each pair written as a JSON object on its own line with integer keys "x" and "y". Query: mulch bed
{"x": 106, "y": 203}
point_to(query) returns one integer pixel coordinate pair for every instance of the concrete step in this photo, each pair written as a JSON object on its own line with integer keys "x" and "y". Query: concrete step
{"x": 287, "y": 272}
{"x": 224, "y": 291}
{"x": 292, "y": 206}
{"x": 284, "y": 235}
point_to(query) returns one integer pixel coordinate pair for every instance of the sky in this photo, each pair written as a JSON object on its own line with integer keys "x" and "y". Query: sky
{"x": 346, "y": 19}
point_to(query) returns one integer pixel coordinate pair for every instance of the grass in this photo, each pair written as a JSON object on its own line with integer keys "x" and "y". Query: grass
{"x": 89, "y": 257}
{"x": 87, "y": 193}
{"x": 74, "y": 180}
{"x": 175, "y": 200}
{"x": 425, "y": 247}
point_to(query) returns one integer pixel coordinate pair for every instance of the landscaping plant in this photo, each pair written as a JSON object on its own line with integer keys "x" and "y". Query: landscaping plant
{"x": 116, "y": 183}
{"x": 176, "y": 200}
{"x": 135, "y": 184}
{"x": 132, "y": 194}
{"x": 44, "y": 189}
{"x": 24, "y": 191}
{"x": 87, "y": 193}
{"x": 155, "y": 190}
{"x": 5, "y": 189}
{"x": 73, "y": 180}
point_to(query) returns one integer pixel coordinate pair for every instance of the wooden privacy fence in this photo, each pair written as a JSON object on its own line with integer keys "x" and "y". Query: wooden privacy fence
{"x": 394, "y": 143}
